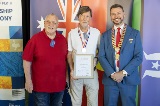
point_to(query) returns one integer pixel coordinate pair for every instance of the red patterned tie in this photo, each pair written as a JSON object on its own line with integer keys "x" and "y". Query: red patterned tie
{"x": 117, "y": 41}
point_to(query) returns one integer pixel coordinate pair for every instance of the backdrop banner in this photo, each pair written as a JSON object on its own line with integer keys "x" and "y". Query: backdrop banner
{"x": 150, "y": 87}
{"x": 12, "y": 91}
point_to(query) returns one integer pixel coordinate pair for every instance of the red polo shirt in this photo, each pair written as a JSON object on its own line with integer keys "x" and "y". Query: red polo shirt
{"x": 48, "y": 63}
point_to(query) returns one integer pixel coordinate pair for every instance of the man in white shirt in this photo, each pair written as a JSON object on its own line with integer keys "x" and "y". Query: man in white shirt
{"x": 83, "y": 40}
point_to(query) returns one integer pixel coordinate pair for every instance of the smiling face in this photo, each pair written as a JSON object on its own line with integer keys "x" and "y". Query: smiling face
{"x": 117, "y": 16}
{"x": 51, "y": 24}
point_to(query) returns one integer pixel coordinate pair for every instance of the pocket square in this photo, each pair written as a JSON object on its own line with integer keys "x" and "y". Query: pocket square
{"x": 130, "y": 40}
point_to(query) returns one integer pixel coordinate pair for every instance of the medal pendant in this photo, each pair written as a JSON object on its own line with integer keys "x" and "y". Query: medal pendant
{"x": 117, "y": 56}
{"x": 117, "y": 49}
{"x": 83, "y": 50}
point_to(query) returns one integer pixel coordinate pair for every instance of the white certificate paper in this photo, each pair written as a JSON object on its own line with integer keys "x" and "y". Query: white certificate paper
{"x": 83, "y": 66}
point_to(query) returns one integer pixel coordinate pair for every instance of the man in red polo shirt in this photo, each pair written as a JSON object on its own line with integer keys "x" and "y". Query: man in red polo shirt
{"x": 44, "y": 62}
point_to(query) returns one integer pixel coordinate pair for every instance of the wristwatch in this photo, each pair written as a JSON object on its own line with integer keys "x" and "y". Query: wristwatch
{"x": 124, "y": 73}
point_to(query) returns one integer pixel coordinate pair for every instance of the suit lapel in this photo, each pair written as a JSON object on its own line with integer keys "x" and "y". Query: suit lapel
{"x": 110, "y": 42}
{"x": 112, "y": 51}
{"x": 126, "y": 37}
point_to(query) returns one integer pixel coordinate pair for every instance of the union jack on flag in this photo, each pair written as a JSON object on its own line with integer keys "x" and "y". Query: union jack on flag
{"x": 66, "y": 10}
{"x": 67, "y": 16}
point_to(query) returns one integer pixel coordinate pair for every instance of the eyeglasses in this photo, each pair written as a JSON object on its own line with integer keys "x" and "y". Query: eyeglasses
{"x": 51, "y": 22}
{"x": 52, "y": 43}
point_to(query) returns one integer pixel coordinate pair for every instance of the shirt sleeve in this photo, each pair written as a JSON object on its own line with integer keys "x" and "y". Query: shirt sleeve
{"x": 98, "y": 44}
{"x": 69, "y": 42}
{"x": 29, "y": 50}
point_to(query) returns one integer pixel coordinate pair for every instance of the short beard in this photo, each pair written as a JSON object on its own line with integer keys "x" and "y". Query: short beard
{"x": 119, "y": 22}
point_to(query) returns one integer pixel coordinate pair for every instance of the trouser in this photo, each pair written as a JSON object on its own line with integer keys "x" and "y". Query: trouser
{"x": 91, "y": 87}
{"x": 127, "y": 94}
{"x": 48, "y": 99}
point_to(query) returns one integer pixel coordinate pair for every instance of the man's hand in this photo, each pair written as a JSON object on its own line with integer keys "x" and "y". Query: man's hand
{"x": 118, "y": 76}
{"x": 72, "y": 76}
{"x": 29, "y": 86}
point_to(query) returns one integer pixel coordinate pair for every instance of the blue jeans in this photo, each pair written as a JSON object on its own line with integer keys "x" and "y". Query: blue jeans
{"x": 48, "y": 99}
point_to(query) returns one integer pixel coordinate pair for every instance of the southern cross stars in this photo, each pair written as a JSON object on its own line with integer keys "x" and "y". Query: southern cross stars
{"x": 41, "y": 23}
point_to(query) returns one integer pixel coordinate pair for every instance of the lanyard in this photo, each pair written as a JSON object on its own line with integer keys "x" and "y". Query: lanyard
{"x": 84, "y": 44}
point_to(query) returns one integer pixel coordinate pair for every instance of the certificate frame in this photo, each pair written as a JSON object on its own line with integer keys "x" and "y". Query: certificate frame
{"x": 83, "y": 66}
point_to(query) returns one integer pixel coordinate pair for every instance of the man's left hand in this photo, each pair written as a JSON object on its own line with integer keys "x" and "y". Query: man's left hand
{"x": 118, "y": 76}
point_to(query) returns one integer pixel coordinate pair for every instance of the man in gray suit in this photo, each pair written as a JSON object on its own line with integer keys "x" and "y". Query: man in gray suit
{"x": 120, "y": 54}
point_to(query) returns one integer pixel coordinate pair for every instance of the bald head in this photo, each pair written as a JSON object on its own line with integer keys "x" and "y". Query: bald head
{"x": 51, "y": 15}
{"x": 51, "y": 23}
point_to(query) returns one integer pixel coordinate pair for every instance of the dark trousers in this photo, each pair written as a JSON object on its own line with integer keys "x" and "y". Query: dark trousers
{"x": 48, "y": 99}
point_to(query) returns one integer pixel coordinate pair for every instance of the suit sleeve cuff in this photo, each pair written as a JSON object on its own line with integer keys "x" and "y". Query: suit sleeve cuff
{"x": 112, "y": 73}
{"x": 125, "y": 72}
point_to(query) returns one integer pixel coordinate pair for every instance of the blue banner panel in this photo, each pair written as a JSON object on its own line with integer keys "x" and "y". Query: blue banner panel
{"x": 150, "y": 86}
{"x": 11, "y": 64}
{"x": 18, "y": 82}
{"x": 12, "y": 91}
{"x": 15, "y": 32}
{"x": 12, "y": 103}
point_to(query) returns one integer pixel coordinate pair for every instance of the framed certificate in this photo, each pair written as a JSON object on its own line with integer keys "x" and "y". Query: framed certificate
{"x": 83, "y": 66}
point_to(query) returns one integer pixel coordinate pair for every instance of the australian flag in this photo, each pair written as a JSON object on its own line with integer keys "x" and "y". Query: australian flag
{"x": 66, "y": 10}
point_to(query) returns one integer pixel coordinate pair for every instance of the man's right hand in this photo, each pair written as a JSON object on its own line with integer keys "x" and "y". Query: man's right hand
{"x": 29, "y": 86}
